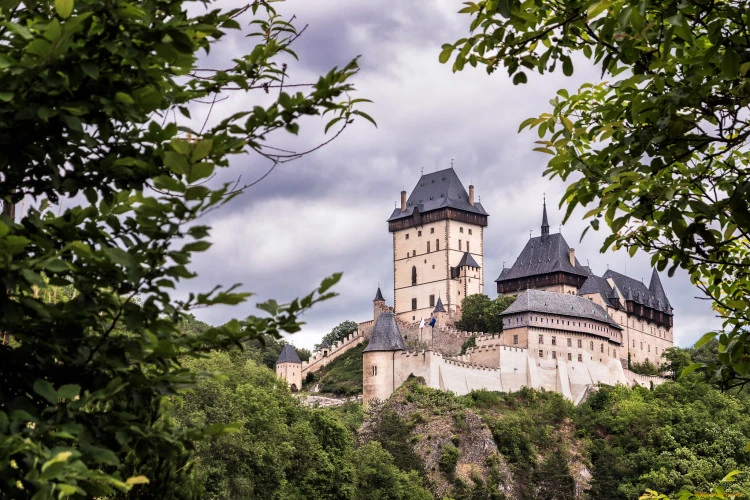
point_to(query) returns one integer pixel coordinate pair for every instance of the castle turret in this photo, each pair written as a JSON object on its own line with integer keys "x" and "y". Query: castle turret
{"x": 439, "y": 313}
{"x": 379, "y": 373}
{"x": 289, "y": 367}
{"x": 378, "y": 305}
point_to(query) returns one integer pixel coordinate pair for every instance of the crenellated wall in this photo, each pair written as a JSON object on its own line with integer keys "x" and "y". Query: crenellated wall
{"x": 321, "y": 358}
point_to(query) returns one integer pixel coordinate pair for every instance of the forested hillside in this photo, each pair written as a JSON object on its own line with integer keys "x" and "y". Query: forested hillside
{"x": 426, "y": 443}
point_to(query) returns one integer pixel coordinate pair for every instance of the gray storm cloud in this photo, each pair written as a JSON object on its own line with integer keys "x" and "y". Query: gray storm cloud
{"x": 326, "y": 212}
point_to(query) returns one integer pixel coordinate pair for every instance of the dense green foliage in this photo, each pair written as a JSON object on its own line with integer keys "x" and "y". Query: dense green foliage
{"x": 95, "y": 117}
{"x": 479, "y": 313}
{"x": 339, "y": 333}
{"x": 658, "y": 151}
{"x": 342, "y": 376}
{"x": 280, "y": 449}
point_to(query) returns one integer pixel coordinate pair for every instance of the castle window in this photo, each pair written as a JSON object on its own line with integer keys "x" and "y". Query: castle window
{"x": 432, "y": 230}
{"x": 602, "y": 348}
{"x": 541, "y": 339}
{"x": 591, "y": 346}
{"x": 374, "y": 371}
{"x": 649, "y": 348}
{"x": 554, "y": 340}
{"x": 641, "y": 346}
{"x": 614, "y": 353}
{"x": 407, "y": 236}
{"x": 419, "y": 233}
{"x": 570, "y": 357}
{"x": 570, "y": 342}
{"x": 413, "y": 275}
{"x": 460, "y": 229}
{"x": 579, "y": 344}
{"x": 541, "y": 353}
{"x": 580, "y": 357}
{"x": 413, "y": 304}
{"x": 554, "y": 354}
{"x": 633, "y": 344}
{"x": 432, "y": 301}
{"x": 460, "y": 245}
{"x": 413, "y": 253}
{"x": 428, "y": 247}
{"x": 437, "y": 245}
{"x": 467, "y": 246}
{"x": 469, "y": 231}
{"x": 515, "y": 339}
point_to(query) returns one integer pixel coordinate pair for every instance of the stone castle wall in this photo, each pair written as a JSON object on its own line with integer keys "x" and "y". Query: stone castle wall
{"x": 321, "y": 358}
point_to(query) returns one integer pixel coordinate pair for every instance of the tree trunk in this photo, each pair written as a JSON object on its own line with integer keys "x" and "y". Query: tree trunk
{"x": 9, "y": 210}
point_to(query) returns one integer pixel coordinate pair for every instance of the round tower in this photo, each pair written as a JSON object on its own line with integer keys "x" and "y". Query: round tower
{"x": 379, "y": 359}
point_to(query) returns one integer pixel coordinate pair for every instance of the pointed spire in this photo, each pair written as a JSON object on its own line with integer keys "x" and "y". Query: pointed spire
{"x": 439, "y": 308}
{"x": 545, "y": 223}
{"x": 657, "y": 289}
{"x": 379, "y": 296}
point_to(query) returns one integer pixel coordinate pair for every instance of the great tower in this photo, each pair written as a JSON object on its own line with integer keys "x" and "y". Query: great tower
{"x": 438, "y": 246}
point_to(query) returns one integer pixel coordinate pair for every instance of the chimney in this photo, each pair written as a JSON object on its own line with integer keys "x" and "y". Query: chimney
{"x": 471, "y": 195}
{"x": 403, "y": 201}
{"x": 573, "y": 257}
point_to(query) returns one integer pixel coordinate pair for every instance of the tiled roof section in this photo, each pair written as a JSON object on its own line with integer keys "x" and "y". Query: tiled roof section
{"x": 542, "y": 255}
{"x": 288, "y": 355}
{"x": 636, "y": 291}
{"x": 439, "y": 308}
{"x": 386, "y": 335}
{"x": 379, "y": 296}
{"x": 468, "y": 260}
{"x": 441, "y": 189}
{"x": 596, "y": 284}
{"x": 559, "y": 303}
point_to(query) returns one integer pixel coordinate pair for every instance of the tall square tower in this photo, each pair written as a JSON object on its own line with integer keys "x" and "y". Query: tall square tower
{"x": 438, "y": 247}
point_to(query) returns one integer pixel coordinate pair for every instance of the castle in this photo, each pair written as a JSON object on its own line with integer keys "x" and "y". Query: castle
{"x": 566, "y": 331}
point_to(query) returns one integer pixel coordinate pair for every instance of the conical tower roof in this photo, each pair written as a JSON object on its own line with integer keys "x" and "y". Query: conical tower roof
{"x": 545, "y": 222}
{"x": 379, "y": 296}
{"x": 439, "y": 306}
{"x": 386, "y": 335}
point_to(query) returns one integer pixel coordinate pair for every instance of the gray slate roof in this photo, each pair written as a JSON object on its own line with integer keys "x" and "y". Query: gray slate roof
{"x": 468, "y": 260}
{"x": 379, "y": 296}
{"x": 386, "y": 335}
{"x": 542, "y": 255}
{"x": 559, "y": 303}
{"x": 288, "y": 355}
{"x": 439, "y": 308}
{"x": 595, "y": 284}
{"x": 324, "y": 344}
{"x": 441, "y": 189}
{"x": 632, "y": 289}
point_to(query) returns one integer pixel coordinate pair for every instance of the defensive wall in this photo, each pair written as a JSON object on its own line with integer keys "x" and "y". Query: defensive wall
{"x": 322, "y": 357}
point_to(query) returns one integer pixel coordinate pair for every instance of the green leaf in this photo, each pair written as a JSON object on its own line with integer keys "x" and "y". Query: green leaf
{"x": 445, "y": 54}
{"x": 519, "y": 78}
{"x": 690, "y": 369}
{"x": 704, "y": 339}
{"x": 136, "y": 480}
{"x": 69, "y": 391}
{"x": 6, "y": 96}
{"x": 200, "y": 171}
{"x": 201, "y": 149}
{"x": 124, "y": 98}
{"x": 45, "y": 389}
{"x": 730, "y": 64}
{"x": 176, "y": 162}
{"x": 64, "y": 8}
{"x": 567, "y": 66}
{"x": 56, "y": 265}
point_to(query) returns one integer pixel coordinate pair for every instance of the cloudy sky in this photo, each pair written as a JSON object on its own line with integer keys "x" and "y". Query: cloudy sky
{"x": 326, "y": 212}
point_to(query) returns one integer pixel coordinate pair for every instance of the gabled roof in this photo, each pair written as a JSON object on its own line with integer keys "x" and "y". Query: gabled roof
{"x": 467, "y": 260}
{"x": 385, "y": 334}
{"x": 563, "y": 304}
{"x": 441, "y": 189}
{"x": 288, "y": 355}
{"x": 637, "y": 292}
{"x": 379, "y": 296}
{"x": 439, "y": 308}
{"x": 543, "y": 255}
